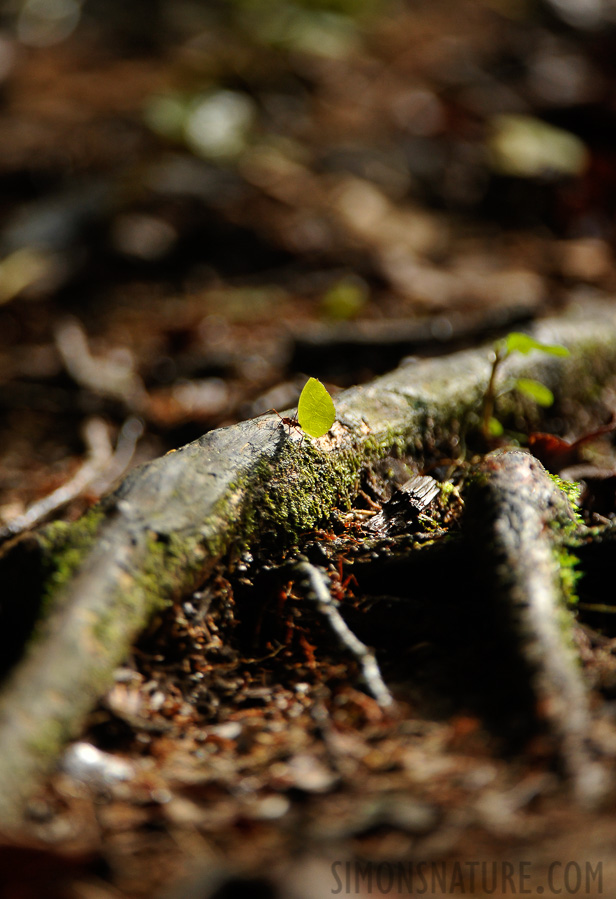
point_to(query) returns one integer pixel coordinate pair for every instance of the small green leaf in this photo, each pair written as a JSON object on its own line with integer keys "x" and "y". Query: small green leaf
{"x": 536, "y": 390}
{"x": 345, "y": 299}
{"x": 516, "y": 342}
{"x": 315, "y": 411}
{"x": 495, "y": 427}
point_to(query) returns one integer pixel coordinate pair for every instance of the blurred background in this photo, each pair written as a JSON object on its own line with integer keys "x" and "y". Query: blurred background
{"x": 202, "y": 203}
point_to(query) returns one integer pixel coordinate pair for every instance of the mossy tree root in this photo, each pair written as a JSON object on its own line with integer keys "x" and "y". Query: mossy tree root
{"x": 97, "y": 582}
{"x": 518, "y": 522}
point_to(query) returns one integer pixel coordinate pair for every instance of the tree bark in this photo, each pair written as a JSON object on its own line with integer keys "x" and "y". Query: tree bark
{"x": 521, "y": 524}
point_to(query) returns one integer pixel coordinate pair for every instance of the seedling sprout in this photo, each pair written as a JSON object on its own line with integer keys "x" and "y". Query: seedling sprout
{"x": 516, "y": 342}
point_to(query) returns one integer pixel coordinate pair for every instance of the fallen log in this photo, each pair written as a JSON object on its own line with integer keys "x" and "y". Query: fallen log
{"x": 88, "y": 588}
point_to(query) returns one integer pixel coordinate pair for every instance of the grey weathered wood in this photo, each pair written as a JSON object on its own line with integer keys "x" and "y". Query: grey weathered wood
{"x": 520, "y": 523}
{"x": 172, "y": 519}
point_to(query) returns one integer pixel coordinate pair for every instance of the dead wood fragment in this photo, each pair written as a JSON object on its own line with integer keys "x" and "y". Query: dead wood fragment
{"x": 160, "y": 533}
{"x": 334, "y": 347}
{"x": 402, "y": 510}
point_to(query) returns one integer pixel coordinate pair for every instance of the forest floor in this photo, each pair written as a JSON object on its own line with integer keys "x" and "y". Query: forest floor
{"x": 190, "y": 226}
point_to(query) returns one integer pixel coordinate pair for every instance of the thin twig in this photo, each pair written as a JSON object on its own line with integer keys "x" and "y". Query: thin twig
{"x": 604, "y": 608}
{"x": 105, "y": 376}
{"x": 490, "y": 395}
{"x": 100, "y": 469}
{"x": 128, "y": 438}
{"x": 317, "y": 588}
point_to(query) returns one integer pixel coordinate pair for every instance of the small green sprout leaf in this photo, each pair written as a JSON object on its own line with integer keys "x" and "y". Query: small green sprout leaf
{"x": 516, "y": 342}
{"x": 535, "y": 390}
{"x": 315, "y": 411}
